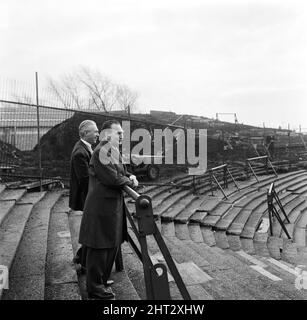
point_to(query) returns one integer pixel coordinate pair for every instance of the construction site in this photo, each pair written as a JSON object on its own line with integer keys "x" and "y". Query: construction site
{"x": 236, "y": 232}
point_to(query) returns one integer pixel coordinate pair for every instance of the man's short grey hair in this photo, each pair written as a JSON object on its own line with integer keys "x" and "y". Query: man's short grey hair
{"x": 84, "y": 126}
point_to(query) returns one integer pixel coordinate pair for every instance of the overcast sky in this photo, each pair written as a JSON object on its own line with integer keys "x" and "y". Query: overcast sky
{"x": 192, "y": 56}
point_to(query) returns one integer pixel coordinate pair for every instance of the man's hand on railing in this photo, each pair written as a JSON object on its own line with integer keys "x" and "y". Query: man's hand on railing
{"x": 134, "y": 181}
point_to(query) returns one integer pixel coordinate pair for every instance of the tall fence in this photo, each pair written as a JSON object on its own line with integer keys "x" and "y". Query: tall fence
{"x": 19, "y": 124}
{"x": 36, "y": 140}
{"x": 24, "y": 154}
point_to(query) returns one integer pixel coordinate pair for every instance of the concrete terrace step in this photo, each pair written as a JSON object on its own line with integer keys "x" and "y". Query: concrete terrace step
{"x": 12, "y": 194}
{"x": 170, "y": 200}
{"x": 161, "y": 190}
{"x": 224, "y": 223}
{"x": 300, "y": 235}
{"x": 134, "y": 268}
{"x": 260, "y": 244}
{"x": 295, "y": 214}
{"x": 242, "y": 194}
{"x": 5, "y": 208}
{"x": 283, "y": 185}
{"x": 285, "y": 249}
{"x": 282, "y": 182}
{"x": 288, "y": 272}
{"x": 284, "y": 197}
{"x": 274, "y": 275}
{"x": 185, "y": 250}
{"x": 25, "y": 236}
{"x": 191, "y": 274}
{"x": 189, "y": 266}
{"x": 210, "y": 207}
{"x": 221, "y": 208}
{"x": 145, "y": 188}
{"x": 251, "y": 224}
{"x": 2, "y": 187}
{"x": 298, "y": 188}
{"x": 228, "y": 191}
{"x": 191, "y": 212}
{"x": 302, "y": 221}
{"x": 31, "y": 197}
{"x": 239, "y": 221}
{"x": 227, "y": 219}
{"x": 237, "y": 279}
{"x": 187, "y": 206}
{"x": 123, "y": 285}
{"x": 252, "y": 202}
{"x": 209, "y": 203}
{"x": 11, "y": 231}
{"x": 275, "y": 246}
{"x": 295, "y": 202}
{"x": 177, "y": 208}
{"x": 61, "y": 278}
{"x": 254, "y": 219}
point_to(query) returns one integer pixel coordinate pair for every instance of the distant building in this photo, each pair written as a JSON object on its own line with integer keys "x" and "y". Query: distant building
{"x": 18, "y": 124}
{"x": 157, "y": 113}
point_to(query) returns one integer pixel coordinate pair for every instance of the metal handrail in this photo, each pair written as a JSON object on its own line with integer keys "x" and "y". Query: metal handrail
{"x": 157, "y": 286}
{"x": 219, "y": 167}
{"x": 268, "y": 162}
{"x": 132, "y": 193}
{"x": 225, "y": 172}
{"x": 256, "y": 158}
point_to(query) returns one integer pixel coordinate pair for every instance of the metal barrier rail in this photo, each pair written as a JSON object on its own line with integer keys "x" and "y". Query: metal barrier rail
{"x": 271, "y": 195}
{"x": 225, "y": 180}
{"x": 267, "y": 164}
{"x": 157, "y": 286}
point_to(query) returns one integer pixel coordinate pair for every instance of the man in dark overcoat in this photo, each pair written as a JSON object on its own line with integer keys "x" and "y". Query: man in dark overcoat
{"x": 79, "y": 175}
{"x": 103, "y": 227}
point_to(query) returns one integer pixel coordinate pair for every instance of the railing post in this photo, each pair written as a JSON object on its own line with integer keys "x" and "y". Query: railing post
{"x": 39, "y": 153}
{"x": 225, "y": 177}
{"x": 157, "y": 286}
{"x": 211, "y": 182}
{"x": 271, "y": 195}
{"x": 233, "y": 179}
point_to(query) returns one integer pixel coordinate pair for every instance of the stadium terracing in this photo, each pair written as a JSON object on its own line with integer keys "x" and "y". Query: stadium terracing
{"x": 225, "y": 237}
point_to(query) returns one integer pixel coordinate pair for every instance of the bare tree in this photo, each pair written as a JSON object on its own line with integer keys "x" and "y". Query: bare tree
{"x": 68, "y": 91}
{"x": 126, "y": 98}
{"x": 87, "y": 88}
{"x": 100, "y": 88}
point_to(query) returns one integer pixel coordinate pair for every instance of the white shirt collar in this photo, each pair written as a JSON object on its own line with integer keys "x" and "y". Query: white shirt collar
{"x": 87, "y": 144}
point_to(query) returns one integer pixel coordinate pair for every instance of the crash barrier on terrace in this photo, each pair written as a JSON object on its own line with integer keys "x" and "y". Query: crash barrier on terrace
{"x": 273, "y": 212}
{"x": 267, "y": 165}
{"x": 225, "y": 172}
{"x": 156, "y": 283}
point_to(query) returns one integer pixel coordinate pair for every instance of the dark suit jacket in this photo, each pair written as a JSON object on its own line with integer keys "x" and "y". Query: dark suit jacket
{"x": 79, "y": 175}
{"x": 103, "y": 223}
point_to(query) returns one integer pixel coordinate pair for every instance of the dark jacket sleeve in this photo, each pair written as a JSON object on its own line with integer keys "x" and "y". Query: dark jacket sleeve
{"x": 81, "y": 163}
{"x": 108, "y": 174}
